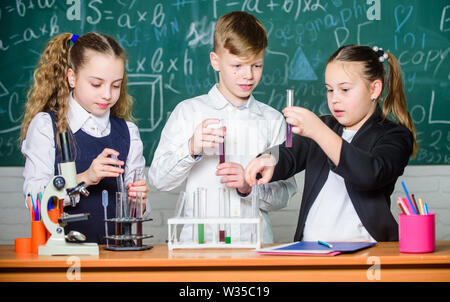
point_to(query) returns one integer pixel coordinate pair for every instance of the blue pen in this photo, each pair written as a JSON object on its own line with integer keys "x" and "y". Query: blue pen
{"x": 409, "y": 198}
{"x": 425, "y": 208}
{"x": 325, "y": 244}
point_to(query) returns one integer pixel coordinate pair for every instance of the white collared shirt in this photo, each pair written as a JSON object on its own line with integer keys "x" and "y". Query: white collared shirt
{"x": 39, "y": 145}
{"x": 251, "y": 129}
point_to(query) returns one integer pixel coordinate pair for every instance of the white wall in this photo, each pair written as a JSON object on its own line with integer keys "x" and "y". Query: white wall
{"x": 432, "y": 183}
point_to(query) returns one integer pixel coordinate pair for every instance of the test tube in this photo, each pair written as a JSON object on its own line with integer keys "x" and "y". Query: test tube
{"x": 201, "y": 197}
{"x": 136, "y": 203}
{"x": 120, "y": 184}
{"x": 224, "y": 198}
{"x": 179, "y": 208}
{"x": 255, "y": 210}
{"x": 289, "y": 103}
{"x": 222, "y": 146}
{"x": 227, "y": 226}
{"x": 119, "y": 205}
{"x": 195, "y": 214}
{"x": 138, "y": 215}
{"x": 105, "y": 206}
{"x": 255, "y": 201}
{"x": 119, "y": 213}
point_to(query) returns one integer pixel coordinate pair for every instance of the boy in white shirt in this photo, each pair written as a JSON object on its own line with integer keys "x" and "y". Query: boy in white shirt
{"x": 188, "y": 147}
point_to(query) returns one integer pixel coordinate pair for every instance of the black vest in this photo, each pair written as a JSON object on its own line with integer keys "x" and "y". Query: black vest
{"x": 85, "y": 149}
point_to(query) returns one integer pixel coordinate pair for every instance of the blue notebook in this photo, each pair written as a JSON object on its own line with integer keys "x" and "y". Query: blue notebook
{"x": 313, "y": 247}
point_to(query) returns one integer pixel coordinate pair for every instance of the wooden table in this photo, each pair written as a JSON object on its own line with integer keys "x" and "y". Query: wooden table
{"x": 382, "y": 262}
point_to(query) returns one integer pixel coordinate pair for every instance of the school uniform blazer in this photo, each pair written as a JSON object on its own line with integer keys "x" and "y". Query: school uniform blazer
{"x": 370, "y": 166}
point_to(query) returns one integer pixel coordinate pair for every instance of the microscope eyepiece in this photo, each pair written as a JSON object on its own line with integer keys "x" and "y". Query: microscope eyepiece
{"x": 65, "y": 147}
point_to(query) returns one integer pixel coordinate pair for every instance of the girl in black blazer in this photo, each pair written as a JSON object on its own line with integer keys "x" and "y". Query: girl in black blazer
{"x": 353, "y": 157}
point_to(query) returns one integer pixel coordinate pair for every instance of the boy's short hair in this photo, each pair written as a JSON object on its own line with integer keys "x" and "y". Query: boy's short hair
{"x": 241, "y": 33}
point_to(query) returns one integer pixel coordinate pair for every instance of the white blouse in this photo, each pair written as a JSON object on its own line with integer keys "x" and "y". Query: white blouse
{"x": 39, "y": 145}
{"x": 332, "y": 216}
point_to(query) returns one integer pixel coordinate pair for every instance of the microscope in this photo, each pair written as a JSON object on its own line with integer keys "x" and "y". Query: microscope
{"x": 60, "y": 186}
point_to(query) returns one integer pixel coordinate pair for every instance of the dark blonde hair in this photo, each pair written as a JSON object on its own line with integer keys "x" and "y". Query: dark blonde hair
{"x": 373, "y": 69}
{"x": 241, "y": 33}
{"x": 50, "y": 89}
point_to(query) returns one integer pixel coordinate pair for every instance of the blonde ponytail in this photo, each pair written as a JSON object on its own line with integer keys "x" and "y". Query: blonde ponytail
{"x": 395, "y": 101}
{"x": 50, "y": 89}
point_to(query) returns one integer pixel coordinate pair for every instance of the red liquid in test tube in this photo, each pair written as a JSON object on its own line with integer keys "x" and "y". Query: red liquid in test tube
{"x": 222, "y": 236}
{"x": 289, "y": 103}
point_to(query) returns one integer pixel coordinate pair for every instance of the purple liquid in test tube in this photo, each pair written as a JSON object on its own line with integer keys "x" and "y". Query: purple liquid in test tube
{"x": 289, "y": 103}
{"x": 222, "y": 147}
{"x": 222, "y": 152}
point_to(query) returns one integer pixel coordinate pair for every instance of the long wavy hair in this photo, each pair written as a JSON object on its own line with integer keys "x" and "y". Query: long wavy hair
{"x": 395, "y": 101}
{"x": 50, "y": 89}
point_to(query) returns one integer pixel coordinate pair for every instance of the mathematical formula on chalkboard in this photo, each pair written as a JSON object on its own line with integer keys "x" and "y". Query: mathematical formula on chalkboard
{"x": 168, "y": 45}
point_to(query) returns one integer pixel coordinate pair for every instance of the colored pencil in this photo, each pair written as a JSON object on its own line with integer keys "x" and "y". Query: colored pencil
{"x": 422, "y": 210}
{"x": 402, "y": 206}
{"x": 409, "y": 198}
{"x": 30, "y": 207}
{"x": 408, "y": 206}
{"x": 416, "y": 207}
{"x": 425, "y": 207}
{"x": 34, "y": 207}
{"x": 38, "y": 205}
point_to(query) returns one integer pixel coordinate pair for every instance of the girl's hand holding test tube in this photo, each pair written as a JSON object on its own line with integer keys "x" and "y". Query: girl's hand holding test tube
{"x": 306, "y": 123}
{"x": 303, "y": 121}
{"x": 104, "y": 165}
{"x": 265, "y": 165}
{"x": 138, "y": 189}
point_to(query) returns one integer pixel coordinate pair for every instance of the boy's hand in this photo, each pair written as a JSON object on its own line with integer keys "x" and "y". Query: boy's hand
{"x": 233, "y": 177}
{"x": 102, "y": 166}
{"x": 265, "y": 165}
{"x": 205, "y": 137}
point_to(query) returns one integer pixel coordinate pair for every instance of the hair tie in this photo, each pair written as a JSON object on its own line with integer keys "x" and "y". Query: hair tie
{"x": 380, "y": 53}
{"x": 74, "y": 38}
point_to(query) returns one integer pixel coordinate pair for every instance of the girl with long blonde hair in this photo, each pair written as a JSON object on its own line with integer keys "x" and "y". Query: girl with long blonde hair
{"x": 80, "y": 87}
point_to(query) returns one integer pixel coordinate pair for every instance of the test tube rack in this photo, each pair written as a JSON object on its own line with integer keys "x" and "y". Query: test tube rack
{"x": 174, "y": 243}
{"x": 124, "y": 239}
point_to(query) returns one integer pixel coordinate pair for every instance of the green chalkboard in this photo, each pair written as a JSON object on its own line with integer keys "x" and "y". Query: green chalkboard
{"x": 168, "y": 45}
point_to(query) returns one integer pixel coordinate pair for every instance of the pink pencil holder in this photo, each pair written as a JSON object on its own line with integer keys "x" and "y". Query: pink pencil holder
{"x": 416, "y": 233}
